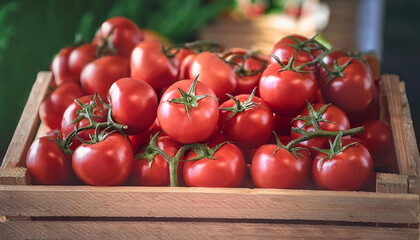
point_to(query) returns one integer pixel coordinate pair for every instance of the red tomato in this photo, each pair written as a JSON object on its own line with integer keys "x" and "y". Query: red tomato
{"x": 352, "y": 92}
{"x": 185, "y": 65}
{"x": 345, "y": 171}
{"x": 222, "y": 81}
{"x": 202, "y": 120}
{"x": 226, "y": 170}
{"x": 150, "y": 64}
{"x": 251, "y": 127}
{"x": 106, "y": 163}
{"x": 81, "y": 56}
{"x": 134, "y": 103}
{"x": 330, "y": 58}
{"x": 157, "y": 173}
{"x": 52, "y": 108}
{"x": 47, "y": 164}
{"x": 144, "y": 137}
{"x": 70, "y": 114}
{"x": 370, "y": 112}
{"x": 123, "y": 34}
{"x": 338, "y": 121}
{"x": 281, "y": 170}
{"x": 99, "y": 75}
{"x": 60, "y": 67}
{"x": 287, "y": 92}
{"x": 377, "y": 138}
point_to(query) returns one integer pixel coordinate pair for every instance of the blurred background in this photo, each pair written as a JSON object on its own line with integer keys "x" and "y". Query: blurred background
{"x": 32, "y": 32}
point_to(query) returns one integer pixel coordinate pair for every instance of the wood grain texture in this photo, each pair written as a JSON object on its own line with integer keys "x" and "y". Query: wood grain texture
{"x": 406, "y": 164}
{"x": 194, "y": 230}
{"x": 14, "y": 176}
{"x": 223, "y": 203}
{"x": 391, "y": 183}
{"x": 28, "y": 123}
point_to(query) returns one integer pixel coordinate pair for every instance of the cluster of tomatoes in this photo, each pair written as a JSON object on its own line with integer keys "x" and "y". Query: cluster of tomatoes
{"x": 132, "y": 111}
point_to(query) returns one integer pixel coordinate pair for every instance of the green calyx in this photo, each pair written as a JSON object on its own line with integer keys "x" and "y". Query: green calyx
{"x": 106, "y": 47}
{"x": 336, "y": 71}
{"x": 308, "y": 45}
{"x": 335, "y": 148}
{"x": 196, "y": 46}
{"x": 150, "y": 151}
{"x": 63, "y": 144}
{"x": 291, "y": 65}
{"x": 240, "y": 70}
{"x": 241, "y": 106}
{"x": 294, "y": 150}
{"x": 190, "y": 99}
{"x": 314, "y": 116}
{"x": 204, "y": 151}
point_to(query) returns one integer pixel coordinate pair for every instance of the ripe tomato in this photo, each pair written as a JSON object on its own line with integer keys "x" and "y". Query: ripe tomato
{"x": 81, "y": 56}
{"x": 345, "y": 171}
{"x": 47, "y": 164}
{"x": 150, "y": 64}
{"x": 222, "y": 81}
{"x": 106, "y": 163}
{"x": 99, "y": 75}
{"x": 337, "y": 121}
{"x": 351, "y": 92}
{"x": 188, "y": 127}
{"x": 330, "y": 58}
{"x": 134, "y": 103}
{"x": 157, "y": 172}
{"x": 287, "y": 92}
{"x": 377, "y": 138}
{"x": 70, "y": 114}
{"x": 123, "y": 34}
{"x": 52, "y": 108}
{"x": 226, "y": 170}
{"x": 143, "y": 138}
{"x": 60, "y": 67}
{"x": 252, "y": 114}
{"x": 185, "y": 58}
{"x": 281, "y": 169}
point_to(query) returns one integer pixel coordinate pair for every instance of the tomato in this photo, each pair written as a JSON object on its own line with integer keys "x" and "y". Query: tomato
{"x": 186, "y": 57}
{"x": 281, "y": 169}
{"x": 287, "y": 92}
{"x": 70, "y": 114}
{"x": 143, "y": 138}
{"x": 106, "y": 163}
{"x": 81, "y": 56}
{"x": 373, "y": 61}
{"x": 370, "y": 112}
{"x": 157, "y": 172}
{"x": 52, "y": 108}
{"x": 222, "y": 81}
{"x": 134, "y": 103}
{"x": 60, "y": 67}
{"x": 252, "y": 114}
{"x": 377, "y": 138}
{"x": 99, "y": 75}
{"x": 337, "y": 121}
{"x": 188, "y": 124}
{"x": 345, "y": 171}
{"x": 330, "y": 58}
{"x": 227, "y": 169}
{"x": 122, "y": 33}
{"x": 351, "y": 92}
{"x": 47, "y": 164}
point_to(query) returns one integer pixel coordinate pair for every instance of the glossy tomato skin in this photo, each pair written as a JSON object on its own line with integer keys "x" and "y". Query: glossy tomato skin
{"x": 143, "y": 138}
{"x": 134, "y": 103}
{"x": 377, "y": 138}
{"x": 346, "y": 171}
{"x": 287, "y": 92}
{"x": 70, "y": 114}
{"x": 99, "y": 75}
{"x": 158, "y": 173}
{"x": 47, "y": 164}
{"x": 227, "y": 170}
{"x": 221, "y": 81}
{"x": 81, "y": 56}
{"x": 338, "y": 122}
{"x": 125, "y": 35}
{"x": 281, "y": 170}
{"x": 247, "y": 129}
{"x": 185, "y": 65}
{"x": 106, "y": 163}
{"x": 174, "y": 120}
{"x": 247, "y": 83}
{"x": 352, "y": 92}
{"x": 60, "y": 67}
{"x": 330, "y": 58}
{"x": 150, "y": 64}
{"x": 52, "y": 108}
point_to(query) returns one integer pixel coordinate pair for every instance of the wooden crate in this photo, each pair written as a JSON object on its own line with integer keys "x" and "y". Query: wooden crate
{"x": 85, "y": 212}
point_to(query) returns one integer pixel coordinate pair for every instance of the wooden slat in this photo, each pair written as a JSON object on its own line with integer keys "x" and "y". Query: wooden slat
{"x": 25, "y": 130}
{"x": 194, "y": 230}
{"x": 14, "y": 176}
{"x": 391, "y": 183}
{"x": 183, "y": 202}
{"x": 406, "y": 164}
